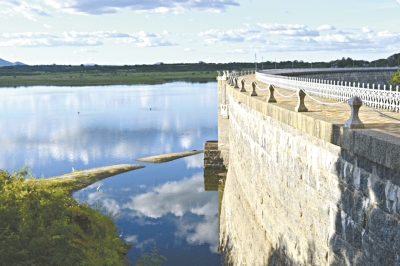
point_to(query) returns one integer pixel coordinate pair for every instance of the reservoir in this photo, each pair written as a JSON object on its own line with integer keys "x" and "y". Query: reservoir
{"x": 56, "y": 129}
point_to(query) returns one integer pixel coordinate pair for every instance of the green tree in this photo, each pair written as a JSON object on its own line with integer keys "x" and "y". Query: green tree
{"x": 395, "y": 79}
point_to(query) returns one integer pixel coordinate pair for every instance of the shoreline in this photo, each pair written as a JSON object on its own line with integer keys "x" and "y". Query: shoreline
{"x": 89, "y": 84}
{"x": 80, "y": 179}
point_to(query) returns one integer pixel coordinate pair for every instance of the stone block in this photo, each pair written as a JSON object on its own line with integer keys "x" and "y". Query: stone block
{"x": 337, "y": 133}
{"x": 377, "y": 187}
{"x": 364, "y": 180}
{"x": 361, "y": 145}
{"x": 346, "y": 202}
{"x": 375, "y": 253}
{"x": 347, "y": 140}
{"x": 383, "y": 228}
{"x": 348, "y": 156}
{"x": 392, "y": 156}
{"x": 364, "y": 164}
{"x": 378, "y": 150}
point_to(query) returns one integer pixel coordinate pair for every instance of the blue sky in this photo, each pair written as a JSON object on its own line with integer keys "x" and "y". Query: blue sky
{"x": 173, "y": 31}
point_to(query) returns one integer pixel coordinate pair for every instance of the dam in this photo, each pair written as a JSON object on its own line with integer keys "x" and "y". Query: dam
{"x": 318, "y": 185}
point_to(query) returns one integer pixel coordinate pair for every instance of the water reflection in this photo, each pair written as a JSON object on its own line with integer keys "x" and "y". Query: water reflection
{"x": 178, "y": 198}
{"x": 165, "y": 203}
{"x": 195, "y": 211}
{"x": 42, "y": 124}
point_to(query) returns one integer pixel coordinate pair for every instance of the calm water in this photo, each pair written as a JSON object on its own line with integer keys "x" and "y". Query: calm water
{"x": 162, "y": 203}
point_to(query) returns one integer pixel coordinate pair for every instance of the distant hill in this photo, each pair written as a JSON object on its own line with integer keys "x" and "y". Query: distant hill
{"x": 6, "y": 63}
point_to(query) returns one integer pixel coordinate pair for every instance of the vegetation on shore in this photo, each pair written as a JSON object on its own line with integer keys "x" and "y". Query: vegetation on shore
{"x": 41, "y": 224}
{"x": 81, "y": 75}
{"x": 395, "y": 79}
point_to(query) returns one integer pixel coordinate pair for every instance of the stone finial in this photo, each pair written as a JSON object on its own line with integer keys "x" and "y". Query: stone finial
{"x": 219, "y": 73}
{"x": 254, "y": 93}
{"x": 354, "y": 121}
{"x": 301, "y": 107}
{"x": 242, "y": 89}
{"x": 236, "y": 85}
{"x": 229, "y": 79}
{"x": 271, "y": 98}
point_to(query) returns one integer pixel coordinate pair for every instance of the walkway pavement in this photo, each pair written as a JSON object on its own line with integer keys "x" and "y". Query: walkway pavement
{"x": 340, "y": 112}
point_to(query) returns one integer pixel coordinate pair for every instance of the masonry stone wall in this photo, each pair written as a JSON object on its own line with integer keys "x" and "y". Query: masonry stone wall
{"x": 303, "y": 190}
{"x": 223, "y": 122}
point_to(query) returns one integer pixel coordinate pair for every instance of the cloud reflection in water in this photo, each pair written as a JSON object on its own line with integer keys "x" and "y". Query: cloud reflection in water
{"x": 176, "y": 197}
{"x": 182, "y": 199}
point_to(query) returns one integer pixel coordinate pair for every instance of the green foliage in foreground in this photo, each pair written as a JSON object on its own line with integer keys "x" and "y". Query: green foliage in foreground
{"x": 395, "y": 79}
{"x": 151, "y": 259}
{"x": 42, "y": 225}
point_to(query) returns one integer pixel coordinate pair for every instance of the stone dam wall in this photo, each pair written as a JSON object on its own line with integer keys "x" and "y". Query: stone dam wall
{"x": 301, "y": 190}
{"x": 377, "y": 77}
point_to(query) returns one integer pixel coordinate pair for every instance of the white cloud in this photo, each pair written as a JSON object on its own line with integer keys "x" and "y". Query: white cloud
{"x": 134, "y": 240}
{"x": 214, "y": 36}
{"x": 34, "y": 35}
{"x": 258, "y": 33}
{"x": 326, "y": 27}
{"x": 366, "y": 29}
{"x": 85, "y": 51}
{"x": 382, "y": 41}
{"x": 95, "y": 34}
{"x": 97, "y": 7}
{"x": 177, "y": 198}
{"x": 200, "y": 233}
{"x": 111, "y": 206}
{"x": 268, "y": 38}
{"x": 287, "y": 29}
{"x": 195, "y": 161}
{"x": 398, "y": 1}
{"x": 24, "y": 9}
{"x": 23, "y": 42}
{"x": 74, "y": 38}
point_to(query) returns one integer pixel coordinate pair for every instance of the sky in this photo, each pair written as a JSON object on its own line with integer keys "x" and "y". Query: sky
{"x": 129, "y": 32}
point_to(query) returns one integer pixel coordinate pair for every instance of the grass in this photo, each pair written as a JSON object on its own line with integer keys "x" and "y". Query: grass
{"x": 40, "y": 224}
{"x": 53, "y": 75}
{"x": 94, "y": 78}
{"x": 75, "y": 75}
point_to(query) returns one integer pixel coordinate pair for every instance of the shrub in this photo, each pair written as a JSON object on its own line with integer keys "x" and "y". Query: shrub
{"x": 41, "y": 225}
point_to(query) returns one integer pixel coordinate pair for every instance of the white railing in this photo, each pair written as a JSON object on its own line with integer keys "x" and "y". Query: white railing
{"x": 326, "y": 70}
{"x": 386, "y": 98}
